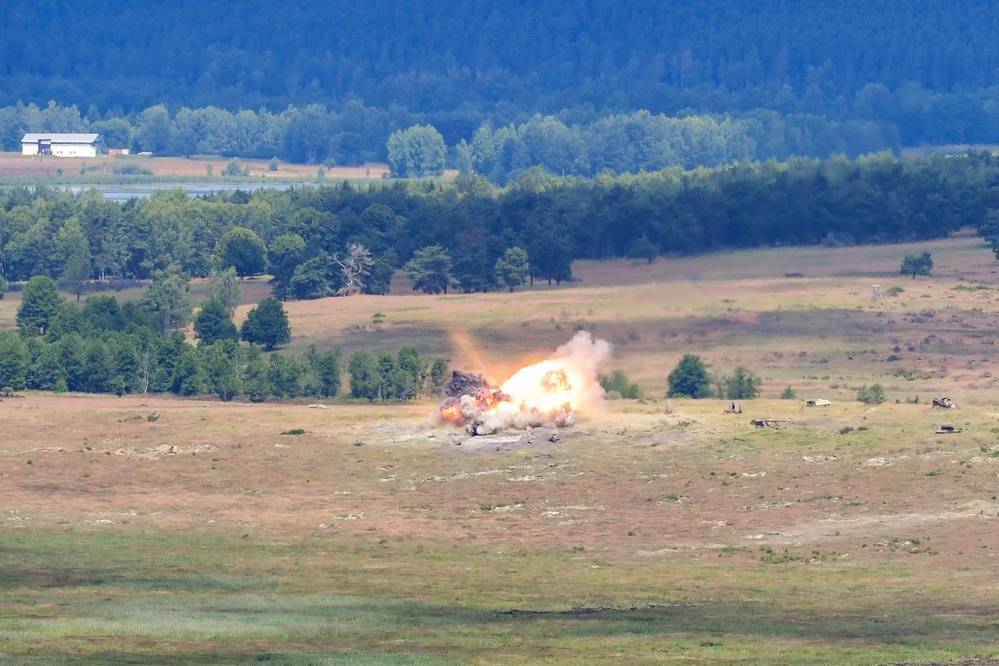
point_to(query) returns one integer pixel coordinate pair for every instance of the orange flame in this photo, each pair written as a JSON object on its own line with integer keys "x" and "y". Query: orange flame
{"x": 550, "y": 391}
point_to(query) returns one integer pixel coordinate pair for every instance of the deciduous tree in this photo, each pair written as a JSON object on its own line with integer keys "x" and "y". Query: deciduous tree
{"x": 914, "y": 265}
{"x": 283, "y": 256}
{"x": 40, "y": 302}
{"x": 168, "y": 298}
{"x": 223, "y": 286}
{"x": 242, "y": 249}
{"x": 689, "y": 378}
{"x": 365, "y": 377}
{"x": 416, "y": 152}
{"x": 743, "y": 385}
{"x": 213, "y": 322}
{"x": 267, "y": 324}
{"x": 14, "y": 361}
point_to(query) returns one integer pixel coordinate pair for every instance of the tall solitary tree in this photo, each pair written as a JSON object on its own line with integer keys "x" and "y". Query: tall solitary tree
{"x": 743, "y": 385}
{"x": 916, "y": 265}
{"x": 267, "y": 324}
{"x": 72, "y": 245}
{"x": 40, "y": 302}
{"x": 213, "y": 322}
{"x": 689, "y": 378}
{"x": 77, "y": 273}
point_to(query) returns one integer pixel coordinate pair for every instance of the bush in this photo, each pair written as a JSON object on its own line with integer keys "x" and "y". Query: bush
{"x": 742, "y": 385}
{"x": 872, "y": 395}
{"x": 266, "y": 324}
{"x": 689, "y": 378}
{"x": 618, "y": 382}
{"x": 233, "y": 168}
{"x": 788, "y": 393}
{"x": 132, "y": 170}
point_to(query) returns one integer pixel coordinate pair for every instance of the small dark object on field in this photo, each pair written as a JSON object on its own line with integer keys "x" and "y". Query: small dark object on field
{"x": 947, "y": 429}
{"x": 357, "y": 442}
{"x": 294, "y": 431}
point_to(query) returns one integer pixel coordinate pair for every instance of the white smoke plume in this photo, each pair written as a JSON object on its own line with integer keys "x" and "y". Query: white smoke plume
{"x": 551, "y": 391}
{"x": 586, "y": 354}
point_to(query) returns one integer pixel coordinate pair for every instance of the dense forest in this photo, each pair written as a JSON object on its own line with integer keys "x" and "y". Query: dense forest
{"x": 304, "y": 236}
{"x": 788, "y": 79}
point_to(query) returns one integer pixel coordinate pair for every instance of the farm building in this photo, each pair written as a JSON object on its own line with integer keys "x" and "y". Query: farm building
{"x": 60, "y": 145}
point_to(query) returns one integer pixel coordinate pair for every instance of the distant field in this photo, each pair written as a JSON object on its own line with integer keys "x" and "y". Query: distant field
{"x": 152, "y": 530}
{"x": 812, "y": 331}
{"x": 14, "y": 164}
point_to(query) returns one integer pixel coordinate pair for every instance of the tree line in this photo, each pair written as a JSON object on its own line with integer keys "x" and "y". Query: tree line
{"x": 472, "y": 236}
{"x": 128, "y": 348}
{"x": 921, "y": 72}
{"x": 566, "y": 143}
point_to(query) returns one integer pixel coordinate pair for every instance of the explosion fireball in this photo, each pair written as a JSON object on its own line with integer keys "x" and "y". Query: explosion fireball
{"x": 551, "y": 391}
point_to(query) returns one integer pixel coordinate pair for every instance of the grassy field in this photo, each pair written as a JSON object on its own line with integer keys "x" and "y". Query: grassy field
{"x": 655, "y": 531}
{"x": 59, "y": 168}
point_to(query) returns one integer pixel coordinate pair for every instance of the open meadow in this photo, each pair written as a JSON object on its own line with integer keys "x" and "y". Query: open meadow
{"x": 197, "y": 167}
{"x": 154, "y": 530}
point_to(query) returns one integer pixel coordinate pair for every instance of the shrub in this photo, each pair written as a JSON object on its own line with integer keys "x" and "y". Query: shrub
{"x": 132, "y": 170}
{"x": 689, "y": 378}
{"x": 618, "y": 381}
{"x": 233, "y": 168}
{"x": 788, "y": 393}
{"x": 872, "y": 395}
{"x": 742, "y": 385}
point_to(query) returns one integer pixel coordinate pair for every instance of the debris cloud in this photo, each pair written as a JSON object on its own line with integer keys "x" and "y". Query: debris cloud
{"x": 551, "y": 391}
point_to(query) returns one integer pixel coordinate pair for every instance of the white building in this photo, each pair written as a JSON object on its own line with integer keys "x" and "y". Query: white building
{"x": 60, "y": 145}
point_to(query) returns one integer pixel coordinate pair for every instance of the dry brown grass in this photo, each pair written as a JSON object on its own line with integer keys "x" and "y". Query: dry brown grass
{"x": 855, "y": 535}
{"x": 631, "y": 481}
{"x": 819, "y": 332}
{"x": 13, "y": 164}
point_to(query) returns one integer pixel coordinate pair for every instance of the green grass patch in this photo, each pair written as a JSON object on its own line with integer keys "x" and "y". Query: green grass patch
{"x": 92, "y": 598}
